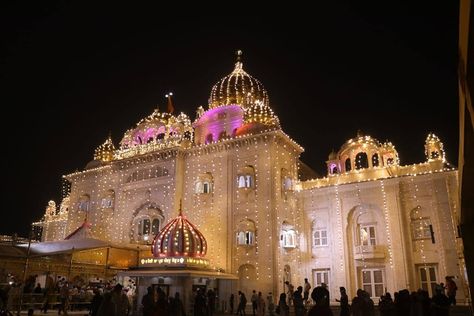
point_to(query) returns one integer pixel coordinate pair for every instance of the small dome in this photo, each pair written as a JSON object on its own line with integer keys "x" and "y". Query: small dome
{"x": 158, "y": 128}
{"x": 105, "y": 152}
{"x": 360, "y": 142}
{"x": 238, "y": 88}
{"x": 179, "y": 238}
{"x": 332, "y": 155}
{"x": 260, "y": 113}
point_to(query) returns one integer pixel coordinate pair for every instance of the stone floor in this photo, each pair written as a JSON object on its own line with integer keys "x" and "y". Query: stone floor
{"x": 454, "y": 311}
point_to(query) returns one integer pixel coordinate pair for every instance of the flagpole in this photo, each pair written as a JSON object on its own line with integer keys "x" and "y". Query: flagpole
{"x": 27, "y": 261}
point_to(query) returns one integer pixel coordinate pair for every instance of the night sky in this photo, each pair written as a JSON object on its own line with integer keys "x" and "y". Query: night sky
{"x": 71, "y": 73}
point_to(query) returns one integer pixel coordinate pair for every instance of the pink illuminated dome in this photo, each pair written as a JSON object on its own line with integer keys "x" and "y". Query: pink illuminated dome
{"x": 238, "y": 88}
{"x": 159, "y": 128}
{"x": 179, "y": 238}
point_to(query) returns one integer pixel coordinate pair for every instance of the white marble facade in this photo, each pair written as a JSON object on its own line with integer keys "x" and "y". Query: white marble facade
{"x": 370, "y": 223}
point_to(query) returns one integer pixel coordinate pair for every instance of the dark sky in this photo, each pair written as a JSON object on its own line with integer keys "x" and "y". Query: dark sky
{"x": 72, "y": 72}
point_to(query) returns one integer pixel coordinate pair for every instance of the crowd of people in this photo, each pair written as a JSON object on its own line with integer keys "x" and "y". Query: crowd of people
{"x": 404, "y": 303}
{"x": 108, "y": 300}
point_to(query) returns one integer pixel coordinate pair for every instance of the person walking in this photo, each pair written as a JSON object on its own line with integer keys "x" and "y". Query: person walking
{"x": 242, "y": 304}
{"x": 231, "y": 303}
{"x": 345, "y": 309}
{"x": 260, "y": 305}
{"x": 306, "y": 289}
{"x": 254, "y": 300}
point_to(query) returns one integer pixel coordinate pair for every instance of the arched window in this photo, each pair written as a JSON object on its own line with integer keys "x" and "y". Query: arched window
{"x": 245, "y": 178}
{"x": 348, "y": 164}
{"x": 246, "y": 233}
{"x": 389, "y": 161}
{"x": 434, "y": 154}
{"x": 155, "y": 226}
{"x": 375, "y": 160}
{"x": 204, "y": 184}
{"x": 334, "y": 169}
{"x": 286, "y": 181}
{"x": 108, "y": 199}
{"x": 209, "y": 138}
{"x": 84, "y": 203}
{"x": 288, "y": 236}
{"x": 366, "y": 229}
{"x": 361, "y": 161}
{"x": 146, "y": 224}
{"x": 222, "y": 135}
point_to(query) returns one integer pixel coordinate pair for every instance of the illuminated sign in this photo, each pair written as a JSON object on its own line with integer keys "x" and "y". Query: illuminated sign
{"x": 174, "y": 262}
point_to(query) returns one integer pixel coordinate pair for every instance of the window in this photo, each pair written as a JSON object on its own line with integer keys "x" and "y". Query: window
{"x": 421, "y": 228}
{"x": 288, "y": 238}
{"x": 84, "y": 203}
{"x": 108, "y": 199}
{"x": 375, "y": 160}
{"x": 321, "y": 276}
{"x": 361, "y": 161}
{"x": 209, "y": 138}
{"x": 367, "y": 235}
{"x": 320, "y": 237}
{"x": 428, "y": 279}
{"x": 434, "y": 155}
{"x": 245, "y": 181}
{"x": 373, "y": 282}
{"x": 146, "y": 225}
{"x": 245, "y": 238}
{"x": 246, "y": 233}
{"x": 223, "y": 135}
{"x": 106, "y": 203}
{"x": 155, "y": 226}
{"x": 348, "y": 164}
{"x": 246, "y": 177}
{"x": 204, "y": 184}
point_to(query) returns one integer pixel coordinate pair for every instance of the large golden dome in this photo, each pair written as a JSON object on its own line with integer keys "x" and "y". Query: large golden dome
{"x": 238, "y": 88}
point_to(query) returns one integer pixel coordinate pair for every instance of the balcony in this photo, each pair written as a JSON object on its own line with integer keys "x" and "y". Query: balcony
{"x": 369, "y": 252}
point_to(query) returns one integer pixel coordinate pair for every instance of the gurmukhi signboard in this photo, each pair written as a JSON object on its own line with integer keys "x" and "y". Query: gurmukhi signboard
{"x": 174, "y": 262}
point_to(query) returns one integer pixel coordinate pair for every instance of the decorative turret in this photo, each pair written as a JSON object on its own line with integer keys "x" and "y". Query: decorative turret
{"x": 105, "y": 152}
{"x": 389, "y": 154}
{"x": 50, "y": 210}
{"x": 333, "y": 163}
{"x": 434, "y": 150}
{"x": 157, "y": 131}
{"x": 179, "y": 238}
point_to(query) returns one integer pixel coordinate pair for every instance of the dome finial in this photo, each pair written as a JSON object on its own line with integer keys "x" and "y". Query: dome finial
{"x": 180, "y": 207}
{"x": 170, "y": 102}
{"x": 238, "y": 63}
{"x": 238, "y": 53}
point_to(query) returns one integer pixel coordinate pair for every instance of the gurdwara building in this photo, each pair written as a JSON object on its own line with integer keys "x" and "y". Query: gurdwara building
{"x": 370, "y": 223}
